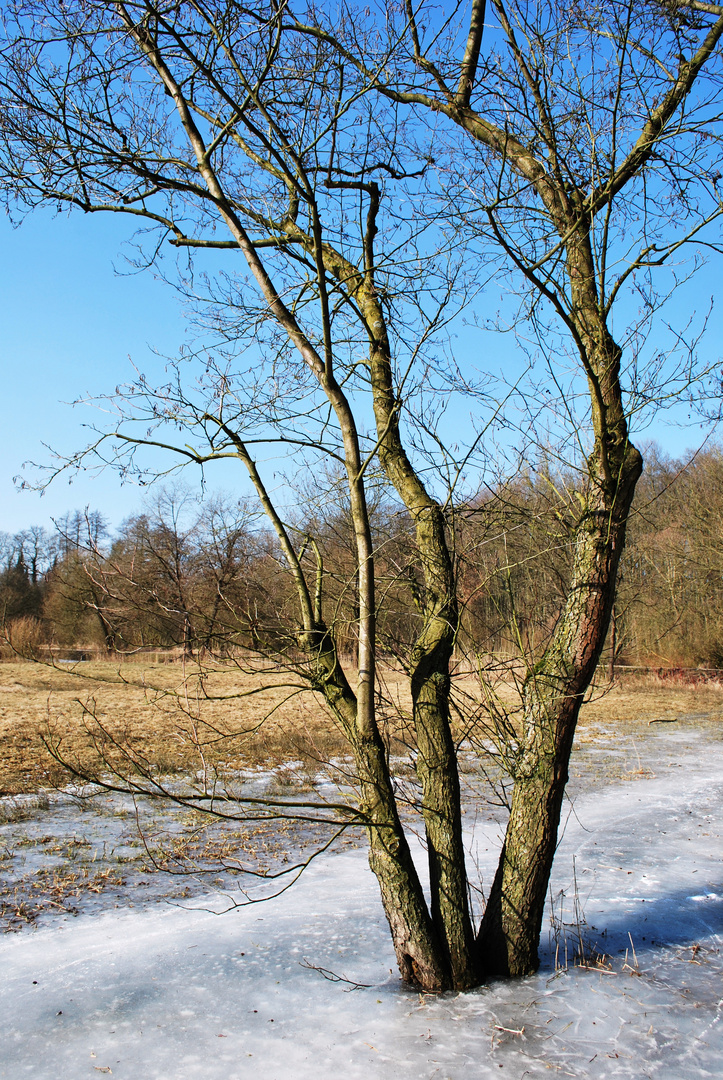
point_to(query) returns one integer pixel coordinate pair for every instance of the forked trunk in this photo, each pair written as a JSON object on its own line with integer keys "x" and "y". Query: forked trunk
{"x": 420, "y": 958}
{"x": 436, "y": 600}
{"x": 420, "y": 954}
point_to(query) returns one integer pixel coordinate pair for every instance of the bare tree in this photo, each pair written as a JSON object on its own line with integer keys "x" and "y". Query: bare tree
{"x": 283, "y": 141}
{"x": 25, "y": 559}
{"x": 593, "y": 156}
{"x": 179, "y": 574}
{"x": 671, "y": 586}
{"x": 182, "y": 143}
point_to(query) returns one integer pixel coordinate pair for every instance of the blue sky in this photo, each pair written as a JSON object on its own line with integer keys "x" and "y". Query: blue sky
{"x": 73, "y": 314}
{"x": 69, "y": 324}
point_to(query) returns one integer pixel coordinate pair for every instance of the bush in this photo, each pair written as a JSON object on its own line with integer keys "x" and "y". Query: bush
{"x": 21, "y": 637}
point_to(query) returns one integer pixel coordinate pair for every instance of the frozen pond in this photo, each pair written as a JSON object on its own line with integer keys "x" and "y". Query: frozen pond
{"x": 160, "y": 992}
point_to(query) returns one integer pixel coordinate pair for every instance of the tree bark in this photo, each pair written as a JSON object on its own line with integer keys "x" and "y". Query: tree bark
{"x": 418, "y": 949}
{"x": 554, "y": 689}
{"x": 436, "y": 761}
{"x": 552, "y": 696}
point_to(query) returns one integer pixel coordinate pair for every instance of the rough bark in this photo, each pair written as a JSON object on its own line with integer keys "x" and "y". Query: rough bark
{"x": 436, "y": 761}
{"x": 553, "y": 692}
{"x": 552, "y": 696}
{"x": 416, "y": 942}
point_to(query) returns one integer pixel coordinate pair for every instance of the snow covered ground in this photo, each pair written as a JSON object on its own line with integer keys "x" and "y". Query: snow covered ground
{"x": 166, "y": 993}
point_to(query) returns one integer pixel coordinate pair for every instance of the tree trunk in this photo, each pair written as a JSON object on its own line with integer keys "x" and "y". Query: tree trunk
{"x": 441, "y": 806}
{"x": 436, "y": 761}
{"x": 436, "y": 756}
{"x": 552, "y": 695}
{"x": 420, "y": 955}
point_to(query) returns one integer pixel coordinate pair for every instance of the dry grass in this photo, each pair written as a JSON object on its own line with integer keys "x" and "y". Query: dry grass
{"x": 163, "y": 712}
{"x": 57, "y": 889}
{"x": 648, "y": 699}
{"x": 169, "y": 715}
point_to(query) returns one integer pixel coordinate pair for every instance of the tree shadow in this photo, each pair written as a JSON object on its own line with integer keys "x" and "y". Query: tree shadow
{"x": 680, "y": 918}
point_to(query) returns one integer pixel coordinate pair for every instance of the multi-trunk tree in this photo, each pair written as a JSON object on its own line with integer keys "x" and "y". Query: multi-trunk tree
{"x": 367, "y": 177}
{"x": 590, "y": 144}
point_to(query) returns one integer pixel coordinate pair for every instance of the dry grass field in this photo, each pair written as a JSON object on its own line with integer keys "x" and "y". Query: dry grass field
{"x": 60, "y": 856}
{"x": 178, "y": 717}
{"x": 167, "y": 713}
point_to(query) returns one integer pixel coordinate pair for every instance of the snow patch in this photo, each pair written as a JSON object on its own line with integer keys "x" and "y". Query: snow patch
{"x": 172, "y": 993}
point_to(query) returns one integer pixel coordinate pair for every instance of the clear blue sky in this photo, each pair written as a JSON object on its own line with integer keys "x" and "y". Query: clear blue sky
{"x": 72, "y": 314}
{"x": 69, "y": 324}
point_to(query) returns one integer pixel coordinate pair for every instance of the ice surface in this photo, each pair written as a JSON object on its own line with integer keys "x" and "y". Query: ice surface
{"x": 175, "y": 994}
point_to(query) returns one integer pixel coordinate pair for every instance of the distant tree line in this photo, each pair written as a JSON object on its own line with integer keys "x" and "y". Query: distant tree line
{"x": 208, "y": 576}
